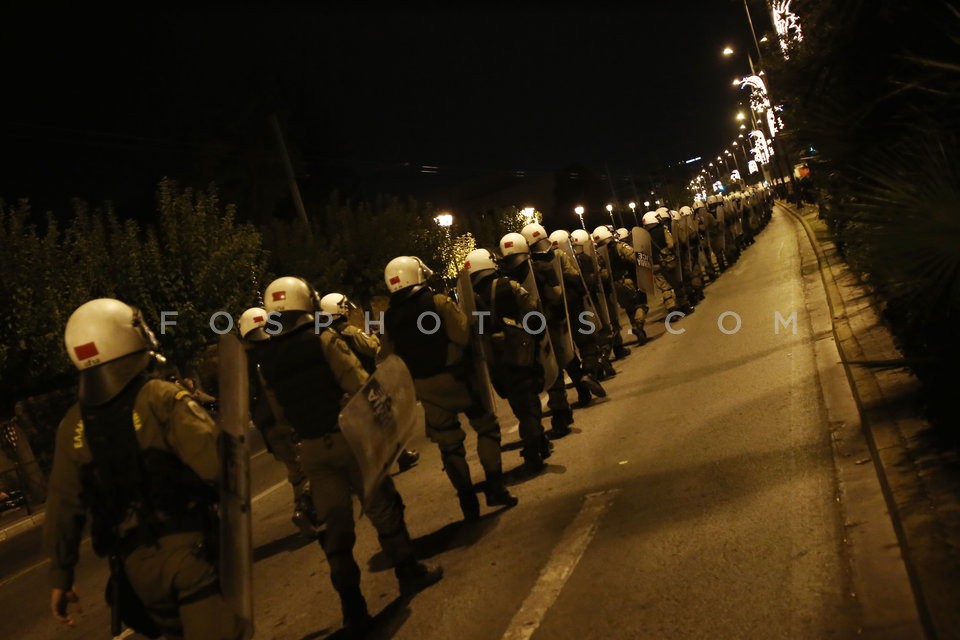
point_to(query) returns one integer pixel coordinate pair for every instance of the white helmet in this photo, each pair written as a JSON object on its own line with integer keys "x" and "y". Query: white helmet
{"x": 558, "y": 237}
{"x": 98, "y": 337}
{"x": 289, "y": 293}
{"x": 602, "y": 235}
{"x": 579, "y": 238}
{"x": 252, "y": 318}
{"x": 622, "y": 233}
{"x": 650, "y": 218}
{"x": 335, "y": 304}
{"x": 479, "y": 263}
{"x": 514, "y": 249}
{"x": 713, "y": 199}
{"x": 674, "y": 214}
{"x": 686, "y": 211}
{"x": 534, "y": 233}
{"x": 403, "y": 272}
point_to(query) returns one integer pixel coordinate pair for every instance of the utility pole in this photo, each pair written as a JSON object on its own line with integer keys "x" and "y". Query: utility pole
{"x": 291, "y": 177}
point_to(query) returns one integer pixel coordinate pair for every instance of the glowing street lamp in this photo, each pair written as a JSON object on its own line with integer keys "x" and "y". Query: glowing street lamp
{"x": 444, "y": 220}
{"x": 727, "y": 51}
{"x": 610, "y": 211}
{"x": 633, "y": 210}
{"x": 528, "y": 214}
{"x": 646, "y": 203}
{"x": 579, "y": 211}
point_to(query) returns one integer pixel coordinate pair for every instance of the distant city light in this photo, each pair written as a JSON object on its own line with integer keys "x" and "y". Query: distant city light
{"x": 692, "y": 160}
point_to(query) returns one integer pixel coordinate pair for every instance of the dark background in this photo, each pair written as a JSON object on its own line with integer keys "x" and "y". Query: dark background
{"x": 100, "y": 104}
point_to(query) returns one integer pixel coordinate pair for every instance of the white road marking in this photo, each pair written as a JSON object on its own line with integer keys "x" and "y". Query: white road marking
{"x": 563, "y": 560}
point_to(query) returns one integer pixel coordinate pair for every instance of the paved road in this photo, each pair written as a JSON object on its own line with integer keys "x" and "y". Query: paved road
{"x": 698, "y": 501}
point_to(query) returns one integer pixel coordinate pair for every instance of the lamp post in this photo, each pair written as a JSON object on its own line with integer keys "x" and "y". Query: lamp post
{"x": 633, "y": 210}
{"x": 579, "y": 211}
{"x": 529, "y": 214}
{"x": 610, "y": 211}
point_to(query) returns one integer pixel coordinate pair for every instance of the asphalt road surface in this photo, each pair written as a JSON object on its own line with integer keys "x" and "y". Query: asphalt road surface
{"x": 699, "y": 500}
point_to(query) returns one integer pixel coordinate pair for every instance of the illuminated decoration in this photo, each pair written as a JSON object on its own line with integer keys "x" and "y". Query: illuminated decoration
{"x": 735, "y": 174}
{"x": 761, "y": 150}
{"x": 717, "y": 186}
{"x": 787, "y": 24}
{"x": 692, "y": 160}
{"x": 752, "y": 166}
{"x": 759, "y": 101}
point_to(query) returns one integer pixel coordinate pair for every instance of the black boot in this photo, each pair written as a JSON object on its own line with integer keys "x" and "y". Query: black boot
{"x": 620, "y": 352}
{"x": 470, "y": 506}
{"x": 560, "y": 424}
{"x": 497, "y": 493}
{"x": 407, "y": 459}
{"x": 356, "y": 618}
{"x": 592, "y": 386}
{"x": 415, "y": 576}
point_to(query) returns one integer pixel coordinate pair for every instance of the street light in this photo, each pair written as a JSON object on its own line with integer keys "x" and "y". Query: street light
{"x": 633, "y": 210}
{"x": 727, "y": 51}
{"x": 610, "y": 211}
{"x": 646, "y": 203}
{"x": 444, "y": 220}
{"x": 528, "y": 213}
{"x": 579, "y": 211}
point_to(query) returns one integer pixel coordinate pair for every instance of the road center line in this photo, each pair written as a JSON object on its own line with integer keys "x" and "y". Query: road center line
{"x": 563, "y": 560}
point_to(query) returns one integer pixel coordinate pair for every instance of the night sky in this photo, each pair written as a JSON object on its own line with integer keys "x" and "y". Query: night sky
{"x": 100, "y": 105}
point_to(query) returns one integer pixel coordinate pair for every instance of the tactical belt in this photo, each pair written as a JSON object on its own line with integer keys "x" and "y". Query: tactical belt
{"x": 142, "y": 536}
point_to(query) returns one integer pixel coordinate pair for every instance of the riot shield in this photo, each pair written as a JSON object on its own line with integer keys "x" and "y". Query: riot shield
{"x": 589, "y": 306}
{"x": 380, "y": 419}
{"x": 479, "y": 344}
{"x": 643, "y": 247}
{"x": 602, "y": 302}
{"x": 546, "y": 355}
{"x": 236, "y": 526}
{"x": 563, "y": 340}
{"x": 613, "y": 305}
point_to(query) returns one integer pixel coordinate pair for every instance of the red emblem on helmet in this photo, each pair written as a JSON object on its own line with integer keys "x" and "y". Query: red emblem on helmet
{"x": 86, "y": 351}
{"x": 508, "y": 244}
{"x": 395, "y": 280}
{"x": 466, "y": 265}
{"x": 279, "y": 295}
{"x": 536, "y": 233}
{"x": 258, "y": 319}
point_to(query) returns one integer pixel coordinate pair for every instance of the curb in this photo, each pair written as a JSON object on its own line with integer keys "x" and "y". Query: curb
{"x": 23, "y": 525}
{"x": 888, "y": 423}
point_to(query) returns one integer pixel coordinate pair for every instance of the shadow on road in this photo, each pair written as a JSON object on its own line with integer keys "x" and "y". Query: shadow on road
{"x": 386, "y": 623}
{"x": 451, "y": 536}
{"x": 291, "y": 542}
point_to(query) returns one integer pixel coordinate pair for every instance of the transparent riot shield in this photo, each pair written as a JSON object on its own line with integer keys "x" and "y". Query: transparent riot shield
{"x": 643, "y": 247}
{"x": 562, "y": 339}
{"x": 589, "y": 306}
{"x": 601, "y": 301}
{"x": 236, "y": 525}
{"x": 380, "y": 419}
{"x": 613, "y": 306}
{"x": 479, "y": 343}
{"x": 546, "y": 355}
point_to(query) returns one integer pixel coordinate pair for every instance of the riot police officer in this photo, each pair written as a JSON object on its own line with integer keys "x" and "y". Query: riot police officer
{"x": 514, "y": 371}
{"x": 431, "y": 334}
{"x": 622, "y": 270}
{"x": 141, "y": 456}
{"x": 566, "y": 313}
{"x": 310, "y": 369}
{"x": 278, "y": 436}
{"x": 589, "y": 269}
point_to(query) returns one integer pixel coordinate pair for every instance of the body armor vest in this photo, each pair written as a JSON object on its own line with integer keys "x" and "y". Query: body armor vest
{"x": 297, "y": 372}
{"x": 122, "y": 480}
{"x": 425, "y": 354}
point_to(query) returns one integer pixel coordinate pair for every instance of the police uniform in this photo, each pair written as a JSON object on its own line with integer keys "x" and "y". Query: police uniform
{"x": 667, "y": 268}
{"x": 604, "y": 335}
{"x": 623, "y": 269}
{"x": 444, "y": 379}
{"x": 606, "y": 275}
{"x": 175, "y": 468}
{"x": 311, "y": 376}
{"x": 509, "y": 302}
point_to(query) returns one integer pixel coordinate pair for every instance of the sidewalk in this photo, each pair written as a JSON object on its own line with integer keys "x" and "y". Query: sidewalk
{"x": 17, "y": 521}
{"x": 921, "y": 484}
